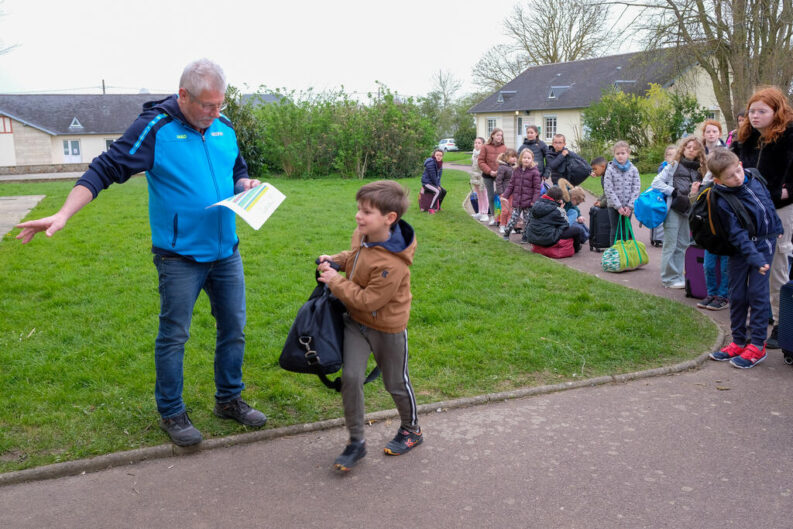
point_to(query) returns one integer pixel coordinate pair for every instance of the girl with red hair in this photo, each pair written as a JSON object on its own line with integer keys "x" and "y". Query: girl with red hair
{"x": 765, "y": 141}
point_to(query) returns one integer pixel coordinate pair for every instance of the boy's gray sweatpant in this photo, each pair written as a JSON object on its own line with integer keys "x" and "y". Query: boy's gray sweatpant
{"x": 391, "y": 354}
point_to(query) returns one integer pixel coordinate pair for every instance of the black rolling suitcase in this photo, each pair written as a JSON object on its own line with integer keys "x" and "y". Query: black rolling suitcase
{"x": 599, "y": 229}
{"x": 785, "y": 329}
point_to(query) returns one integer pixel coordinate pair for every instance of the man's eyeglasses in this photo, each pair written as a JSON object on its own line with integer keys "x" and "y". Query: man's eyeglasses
{"x": 208, "y": 107}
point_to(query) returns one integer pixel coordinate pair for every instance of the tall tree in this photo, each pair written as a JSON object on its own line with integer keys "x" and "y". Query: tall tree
{"x": 741, "y": 44}
{"x": 543, "y": 32}
{"x": 442, "y": 97}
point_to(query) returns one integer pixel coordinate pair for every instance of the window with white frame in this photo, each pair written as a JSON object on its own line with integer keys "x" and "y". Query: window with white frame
{"x": 5, "y": 125}
{"x": 713, "y": 114}
{"x": 550, "y": 127}
{"x": 491, "y": 124}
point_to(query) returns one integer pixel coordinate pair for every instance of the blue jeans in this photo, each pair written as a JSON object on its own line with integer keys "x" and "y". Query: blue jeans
{"x": 716, "y": 287}
{"x": 749, "y": 296}
{"x": 180, "y": 283}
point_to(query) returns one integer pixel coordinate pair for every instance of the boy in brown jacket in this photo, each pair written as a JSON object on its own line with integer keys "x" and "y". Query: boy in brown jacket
{"x": 376, "y": 293}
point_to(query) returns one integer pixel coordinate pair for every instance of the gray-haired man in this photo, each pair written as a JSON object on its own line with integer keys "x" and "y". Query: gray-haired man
{"x": 191, "y": 158}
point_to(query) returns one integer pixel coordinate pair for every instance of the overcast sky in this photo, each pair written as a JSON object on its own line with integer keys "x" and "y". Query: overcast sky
{"x": 298, "y": 44}
{"x": 295, "y": 44}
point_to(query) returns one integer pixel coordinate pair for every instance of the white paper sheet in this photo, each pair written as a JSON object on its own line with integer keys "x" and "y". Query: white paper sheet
{"x": 255, "y": 205}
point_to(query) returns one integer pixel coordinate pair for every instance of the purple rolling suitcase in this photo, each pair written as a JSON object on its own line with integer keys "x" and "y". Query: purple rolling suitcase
{"x": 695, "y": 272}
{"x": 785, "y": 328}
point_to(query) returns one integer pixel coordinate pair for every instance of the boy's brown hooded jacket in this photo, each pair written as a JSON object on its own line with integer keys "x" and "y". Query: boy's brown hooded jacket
{"x": 376, "y": 290}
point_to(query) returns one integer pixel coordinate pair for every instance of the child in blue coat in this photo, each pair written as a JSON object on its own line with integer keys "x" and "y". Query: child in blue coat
{"x": 749, "y": 291}
{"x": 431, "y": 179}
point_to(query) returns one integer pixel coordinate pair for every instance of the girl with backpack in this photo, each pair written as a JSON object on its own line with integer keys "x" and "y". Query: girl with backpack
{"x": 717, "y": 290}
{"x": 677, "y": 180}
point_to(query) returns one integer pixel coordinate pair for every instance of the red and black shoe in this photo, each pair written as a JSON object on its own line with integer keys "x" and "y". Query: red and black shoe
{"x": 403, "y": 442}
{"x": 727, "y": 353}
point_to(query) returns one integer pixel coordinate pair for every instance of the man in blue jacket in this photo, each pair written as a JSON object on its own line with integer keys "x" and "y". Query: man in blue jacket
{"x": 191, "y": 158}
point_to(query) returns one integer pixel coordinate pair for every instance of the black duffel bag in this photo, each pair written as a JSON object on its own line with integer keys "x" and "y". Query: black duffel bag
{"x": 315, "y": 343}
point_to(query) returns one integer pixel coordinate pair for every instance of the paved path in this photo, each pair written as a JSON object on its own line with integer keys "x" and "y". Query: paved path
{"x": 706, "y": 448}
{"x": 13, "y": 209}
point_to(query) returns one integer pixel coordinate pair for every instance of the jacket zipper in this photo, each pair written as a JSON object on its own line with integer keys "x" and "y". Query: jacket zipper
{"x": 175, "y": 229}
{"x": 217, "y": 192}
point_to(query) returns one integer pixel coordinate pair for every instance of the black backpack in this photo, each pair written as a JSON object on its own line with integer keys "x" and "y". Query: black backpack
{"x": 578, "y": 169}
{"x": 315, "y": 343}
{"x": 705, "y": 223}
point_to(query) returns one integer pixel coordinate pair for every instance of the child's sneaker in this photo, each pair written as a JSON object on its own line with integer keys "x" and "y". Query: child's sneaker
{"x": 726, "y": 353}
{"x": 502, "y": 229}
{"x": 403, "y": 442}
{"x": 432, "y": 211}
{"x": 718, "y": 303}
{"x": 353, "y": 452}
{"x": 750, "y": 357}
{"x": 703, "y": 304}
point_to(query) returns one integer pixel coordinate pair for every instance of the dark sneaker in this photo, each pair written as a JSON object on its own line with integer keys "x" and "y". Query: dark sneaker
{"x": 750, "y": 357}
{"x": 403, "y": 442}
{"x": 773, "y": 340}
{"x": 181, "y": 430}
{"x": 724, "y": 354}
{"x": 718, "y": 303}
{"x": 353, "y": 452}
{"x": 703, "y": 304}
{"x": 239, "y": 410}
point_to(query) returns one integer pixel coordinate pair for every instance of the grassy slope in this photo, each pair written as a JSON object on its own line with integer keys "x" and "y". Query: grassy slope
{"x": 79, "y": 317}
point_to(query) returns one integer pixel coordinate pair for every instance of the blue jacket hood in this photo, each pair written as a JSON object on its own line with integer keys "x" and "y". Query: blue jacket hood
{"x": 401, "y": 238}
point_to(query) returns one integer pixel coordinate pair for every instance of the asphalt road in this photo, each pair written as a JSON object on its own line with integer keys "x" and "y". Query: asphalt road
{"x": 705, "y": 448}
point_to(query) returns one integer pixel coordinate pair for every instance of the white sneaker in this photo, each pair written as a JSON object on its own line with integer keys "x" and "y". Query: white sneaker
{"x": 492, "y": 222}
{"x": 502, "y": 229}
{"x": 677, "y": 285}
{"x": 483, "y": 217}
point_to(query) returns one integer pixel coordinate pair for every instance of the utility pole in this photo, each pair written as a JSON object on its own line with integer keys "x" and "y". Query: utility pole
{"x": 103, "y": 87}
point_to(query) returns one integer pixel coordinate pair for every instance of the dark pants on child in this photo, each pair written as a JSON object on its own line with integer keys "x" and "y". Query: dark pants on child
{"x": 749, "y": 295}
{"x": 517, "y": 214}
{"x": 614, "y": 220}
{"x": 575, "y": 232}
{"x": 438, "y": 194}
{"x": 391, "y": 354}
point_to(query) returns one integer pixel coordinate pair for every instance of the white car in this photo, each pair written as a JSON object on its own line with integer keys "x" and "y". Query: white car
{"x": 447, "y": 144}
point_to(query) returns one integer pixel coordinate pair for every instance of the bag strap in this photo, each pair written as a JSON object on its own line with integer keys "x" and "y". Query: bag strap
{"x": 335, "y": 384}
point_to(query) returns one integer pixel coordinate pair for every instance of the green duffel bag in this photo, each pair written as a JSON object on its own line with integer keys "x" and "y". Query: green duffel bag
{"x": 627, "y": 254}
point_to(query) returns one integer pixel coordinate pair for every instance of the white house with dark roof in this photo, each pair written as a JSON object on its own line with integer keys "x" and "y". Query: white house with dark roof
{"x": 552, "y": 96}
{"x": 65, "y": 128}
{"x": 38, "y": 129}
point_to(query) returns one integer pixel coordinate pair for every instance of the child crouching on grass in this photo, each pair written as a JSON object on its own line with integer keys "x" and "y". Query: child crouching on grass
{"x": 376, "y": 293}
{"x": 749, "y": 291}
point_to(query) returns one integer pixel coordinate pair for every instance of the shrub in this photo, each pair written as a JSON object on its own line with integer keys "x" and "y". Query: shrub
{"x": 309, "y": 135}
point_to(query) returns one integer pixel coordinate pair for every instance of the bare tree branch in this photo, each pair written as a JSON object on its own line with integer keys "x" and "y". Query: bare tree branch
{"x": 543, "y": 32}
{"x": 741, "y": 44}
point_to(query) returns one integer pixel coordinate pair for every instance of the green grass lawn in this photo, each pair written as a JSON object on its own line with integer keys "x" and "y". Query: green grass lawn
{"x": 458, "y": 157}
{"x": 79, "y": 317}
